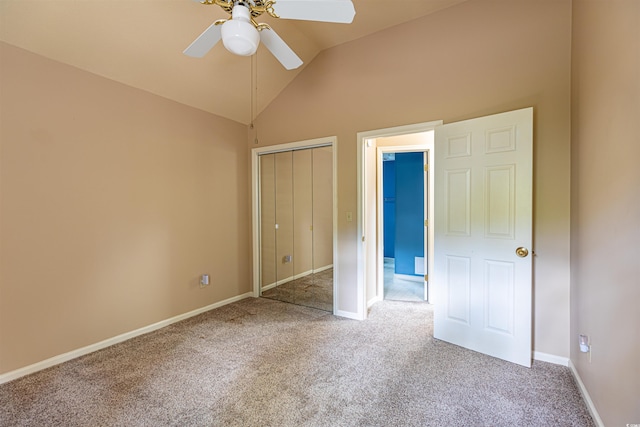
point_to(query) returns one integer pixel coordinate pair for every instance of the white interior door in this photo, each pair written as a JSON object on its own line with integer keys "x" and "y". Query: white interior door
{"x": 481, "y": 281}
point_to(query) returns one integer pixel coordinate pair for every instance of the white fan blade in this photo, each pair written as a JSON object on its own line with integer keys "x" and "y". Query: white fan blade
{"x": 204, "y": 42}
{"x": 279, "y": 49}
{"x": 341, "y": 11}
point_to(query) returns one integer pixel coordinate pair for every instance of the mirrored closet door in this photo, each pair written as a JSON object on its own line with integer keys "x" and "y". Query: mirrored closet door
{"x": 296, "y": 226}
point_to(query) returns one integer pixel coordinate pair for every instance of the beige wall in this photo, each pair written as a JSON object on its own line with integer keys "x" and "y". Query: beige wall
{"x": 112, "y": 203}
{"x": 109, "y": 196}
{"x": 605, "y": 271}
{"x": 474, "y": 59}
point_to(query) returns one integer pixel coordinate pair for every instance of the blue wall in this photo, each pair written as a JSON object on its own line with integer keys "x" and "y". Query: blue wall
{"x": 409, "y": 217}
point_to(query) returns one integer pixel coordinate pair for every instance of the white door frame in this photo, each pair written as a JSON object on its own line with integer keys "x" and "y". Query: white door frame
{"x": 255, "y": 203}
{"x": 367, "y": 139}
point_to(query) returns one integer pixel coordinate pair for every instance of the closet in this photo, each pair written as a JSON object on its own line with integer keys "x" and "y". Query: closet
{"x": 296, "y": 226}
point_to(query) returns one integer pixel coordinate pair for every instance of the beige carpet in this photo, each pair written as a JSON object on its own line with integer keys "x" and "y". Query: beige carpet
{"x": 261, "y": 362}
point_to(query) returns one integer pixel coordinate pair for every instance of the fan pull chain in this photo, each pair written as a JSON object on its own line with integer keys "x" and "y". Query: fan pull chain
{"x": 254, "y": 94}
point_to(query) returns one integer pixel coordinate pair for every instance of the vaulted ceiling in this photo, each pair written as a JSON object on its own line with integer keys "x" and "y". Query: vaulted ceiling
{"x": 140, "y": 43}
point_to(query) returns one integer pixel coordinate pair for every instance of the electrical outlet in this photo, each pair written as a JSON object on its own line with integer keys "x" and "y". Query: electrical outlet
{"x": 583, "y": 340}
{"x": 585, "y": 345}
{"x": 204, "y": 280}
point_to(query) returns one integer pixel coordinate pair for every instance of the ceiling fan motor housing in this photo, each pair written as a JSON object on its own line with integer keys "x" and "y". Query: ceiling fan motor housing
{"x": 239, "y": 36}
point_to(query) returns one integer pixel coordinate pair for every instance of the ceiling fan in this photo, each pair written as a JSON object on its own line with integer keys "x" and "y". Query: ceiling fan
{"x": 241, "y": 34}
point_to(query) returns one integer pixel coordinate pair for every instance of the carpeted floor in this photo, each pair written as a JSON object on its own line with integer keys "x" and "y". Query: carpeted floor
{"x": 260, "y": 362}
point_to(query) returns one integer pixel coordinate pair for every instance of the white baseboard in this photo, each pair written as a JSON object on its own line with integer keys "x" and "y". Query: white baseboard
{"x": 565, "y": 361}
{"x": 303, "y": 274}
{"x": 56, "y": 360}
{"x": 297, "y": 276}
{"x": 347, "y": 314}
{"x": 585, "y": 396}
{"x": 551, "y": 358}
{"x": 320, "y": 269}
{"x": 409, "y": 277}
{"x": 269, "y": 286}
{"x": 278, "y": 283}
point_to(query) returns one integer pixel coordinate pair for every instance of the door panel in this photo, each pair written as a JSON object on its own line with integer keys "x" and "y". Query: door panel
{"x": 284, "y": 216}
{"x": 267, "y": 222}
{"x": 458, "y": 289}
{"x": 458, "y": 202}
{"x": 483, "y": 213}
{"x": 499, "y": 282}
{"x": 302, "y": 214}
{"x": 500, "y": 202}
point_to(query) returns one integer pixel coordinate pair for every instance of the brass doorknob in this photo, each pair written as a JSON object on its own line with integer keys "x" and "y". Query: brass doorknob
{"x": 522, "y": 252}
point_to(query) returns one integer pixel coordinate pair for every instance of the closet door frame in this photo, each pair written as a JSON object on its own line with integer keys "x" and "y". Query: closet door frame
{"x": 255, "y": 203}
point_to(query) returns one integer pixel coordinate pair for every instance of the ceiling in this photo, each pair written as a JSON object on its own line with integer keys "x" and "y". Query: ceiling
{"x": 140, "y": 43}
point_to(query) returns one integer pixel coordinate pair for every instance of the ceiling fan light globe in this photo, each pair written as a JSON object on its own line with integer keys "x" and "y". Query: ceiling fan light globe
{"x": 240, "y": 37}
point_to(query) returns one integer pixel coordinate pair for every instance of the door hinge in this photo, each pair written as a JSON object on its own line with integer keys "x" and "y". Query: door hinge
{"x": 426, "y": 277}
{"x": 426, "y": 168}
{"x": 426, "y": 222}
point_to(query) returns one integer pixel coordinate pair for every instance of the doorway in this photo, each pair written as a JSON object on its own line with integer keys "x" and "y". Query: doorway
{"x": 374, "y": 145}
{"x": 483, "y": 227}
{"x": 404, "y": 200}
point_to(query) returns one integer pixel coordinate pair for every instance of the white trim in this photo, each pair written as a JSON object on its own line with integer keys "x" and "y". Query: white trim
{"x": 303, "y": 274}
{"x": 321, "y": 269}
{"x": 56, "y": 360}
{"x": 362, "y": 138}
{"x": 298, "y": 145}
{"x": 400, "y": 130}
{"x": 585, "y": 396}
{"x": 565, "y": 361}
{"x": 255, "y": 225}
{"x": 346, "y": 314}
{"x": 336, "y": 285}
{"x": 408, "y": 277}
{"x": 255, "y": 199}
{"x": 428, "y": 209}
{"x": 285, "y": 280}
{"x": 269, "y": 286}
{"x": 374, "y": 300}
{"x": 550, "y": 358}
{"x": 361, "y": 259}
{"x": 297, "y": 276}
{"x": 380, "y": 219}
{"x": 280, "y": 282}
